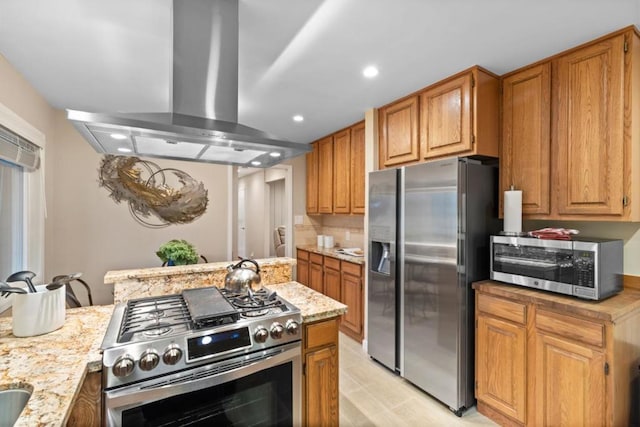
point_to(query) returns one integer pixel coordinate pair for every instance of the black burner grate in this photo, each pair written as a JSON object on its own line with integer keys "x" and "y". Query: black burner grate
{"x": 153, "y": 316}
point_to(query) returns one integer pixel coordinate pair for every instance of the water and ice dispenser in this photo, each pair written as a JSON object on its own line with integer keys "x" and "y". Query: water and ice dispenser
{"x": 380, "y": 255}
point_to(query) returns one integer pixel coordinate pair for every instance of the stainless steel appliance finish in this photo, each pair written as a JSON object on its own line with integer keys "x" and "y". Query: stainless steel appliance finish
{"x": 420, "y": 315}
{"x": 203, "y": 123}
{"x": 587, "y": 268}
{"x": 163, "y": 349}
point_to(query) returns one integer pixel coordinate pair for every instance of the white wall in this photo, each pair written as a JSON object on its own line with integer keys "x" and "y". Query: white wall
{"x": 254, "y": 214}
{"x": 93, "y": 234}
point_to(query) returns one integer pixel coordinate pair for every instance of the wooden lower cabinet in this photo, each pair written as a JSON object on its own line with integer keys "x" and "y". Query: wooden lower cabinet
{"x": 340, "y": 280}
{"x": 320, "y": 401}
{"x": 572, "y": 383}
{"x": 86, "y": 410}
{"x": 548, "y": 360}
{"x": 302, "y": 267}
{"x": 501, "y": 365}
{"x": 352, "y": 291}
{"x": 332, "y": 278}
{"x": 316, "y": 273}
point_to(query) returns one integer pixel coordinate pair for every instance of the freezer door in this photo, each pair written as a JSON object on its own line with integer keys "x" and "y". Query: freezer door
{"x": 381, "y": 267}
{"x": 430, "y": 297}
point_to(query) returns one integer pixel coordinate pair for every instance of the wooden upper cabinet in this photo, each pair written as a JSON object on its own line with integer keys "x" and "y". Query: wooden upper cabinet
{"x": 325, "y": 175}
{"x": 460, "y": 116}
{"x": 312, "y": 180}
{"x": 398, "y": 124}
{"x": 589, "y": 129}
{"x": 342, "y": 171}
{"x": 525, "y": 150}
{"x": 335, "y": 173}
{"x": 357, "y": 169}
{"x": 445, "y": 117}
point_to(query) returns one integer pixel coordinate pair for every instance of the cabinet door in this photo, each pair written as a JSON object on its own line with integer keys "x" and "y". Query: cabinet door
{"x": 332, "y": 283}
{"x": 315, "y": 277}
{"x": 445, "y": 118}
{"x": 325, "y": 175}
{"x": 399, "y": 133}
{"x": 501, "y": 366}
{"x": 589, "y": 100}
{"x": 526, "y": 137}
{"x": 312, "y": 180}
{"x": 352, "y": 297}
{"x": 569, "y": 384}
{"x": 342, "y": 172}
{"x": 321, "y": 397}
{"x": 357, "y": 169}
{"x": 302, "y": 267}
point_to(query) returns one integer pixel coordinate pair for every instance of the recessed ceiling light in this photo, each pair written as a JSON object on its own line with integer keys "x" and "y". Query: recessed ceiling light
{"x": 124, "y": 150}
{"x": 118, "y": 136}
{"x": 298, "y": 118}
{"x": 370, "y": 71}
{"x": 275, "y": 154}
{"x": 256, "y": 163}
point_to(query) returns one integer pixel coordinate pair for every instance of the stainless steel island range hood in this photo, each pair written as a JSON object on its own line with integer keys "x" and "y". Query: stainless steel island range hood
{"x": 203, "y": 123}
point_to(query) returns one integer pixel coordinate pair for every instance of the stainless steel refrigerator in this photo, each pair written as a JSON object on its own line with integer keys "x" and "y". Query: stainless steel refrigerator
{"x": 429, "y": 228}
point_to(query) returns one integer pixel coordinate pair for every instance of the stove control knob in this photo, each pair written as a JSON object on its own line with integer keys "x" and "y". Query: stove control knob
{"x": 124, "y": 366}
{"x": 276, "y": 331}
{"x": 149, "y": 360}
{"x": 261, "y": 335}
{"x": 172, "y": 355}
{"x": 292, "y": 327}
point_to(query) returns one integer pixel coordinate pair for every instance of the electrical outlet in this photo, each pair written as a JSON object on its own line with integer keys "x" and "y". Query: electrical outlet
{"x": 347, "y": 235}
{"x": 297, "y": 219}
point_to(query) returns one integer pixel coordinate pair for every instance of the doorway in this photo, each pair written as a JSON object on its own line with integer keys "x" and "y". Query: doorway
{"x": 264, "y": 202}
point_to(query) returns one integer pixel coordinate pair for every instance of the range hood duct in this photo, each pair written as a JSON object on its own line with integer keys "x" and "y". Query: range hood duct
{"x": 203, "y": 125}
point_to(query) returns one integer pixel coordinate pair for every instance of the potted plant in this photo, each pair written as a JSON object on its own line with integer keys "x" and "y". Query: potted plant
{"x": 177, "y": 252}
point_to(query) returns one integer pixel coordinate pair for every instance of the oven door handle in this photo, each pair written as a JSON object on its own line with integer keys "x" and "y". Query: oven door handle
{"x": 198, "y": 378}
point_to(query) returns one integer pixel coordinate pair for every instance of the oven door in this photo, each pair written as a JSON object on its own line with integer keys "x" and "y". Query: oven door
{"x": 258, "y": 389}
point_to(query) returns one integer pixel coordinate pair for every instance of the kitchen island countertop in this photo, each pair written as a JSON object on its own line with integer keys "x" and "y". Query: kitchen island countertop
{"x": 55, "y": 364}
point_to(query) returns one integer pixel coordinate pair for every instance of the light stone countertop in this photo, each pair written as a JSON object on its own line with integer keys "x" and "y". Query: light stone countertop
{"x": 313, "y": 305}
{"x": 54, "y": 364}
{"x": 332, "y": 253}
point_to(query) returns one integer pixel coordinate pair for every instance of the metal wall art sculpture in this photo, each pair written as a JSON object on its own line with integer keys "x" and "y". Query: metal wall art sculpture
{"x": 148, "y": 191}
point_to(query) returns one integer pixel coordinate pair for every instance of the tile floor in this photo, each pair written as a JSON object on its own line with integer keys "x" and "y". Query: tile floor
{"x": 371, "y": 395}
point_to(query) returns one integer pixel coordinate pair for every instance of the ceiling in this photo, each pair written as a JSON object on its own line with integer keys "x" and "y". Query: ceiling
{"x": 296, "y": 56}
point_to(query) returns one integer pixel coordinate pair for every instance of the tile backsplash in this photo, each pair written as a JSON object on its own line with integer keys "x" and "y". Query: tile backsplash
{"x": 347, "y": 230}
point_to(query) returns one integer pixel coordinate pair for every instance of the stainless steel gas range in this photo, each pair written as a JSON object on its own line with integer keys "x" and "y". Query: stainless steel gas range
{"x": 203, "y": 357}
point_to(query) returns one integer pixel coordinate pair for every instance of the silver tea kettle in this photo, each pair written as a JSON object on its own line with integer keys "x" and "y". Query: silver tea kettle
{"x": 242, "y": 279}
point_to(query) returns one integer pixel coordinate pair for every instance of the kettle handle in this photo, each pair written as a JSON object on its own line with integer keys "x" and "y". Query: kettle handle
{"x": 239, "y": 264}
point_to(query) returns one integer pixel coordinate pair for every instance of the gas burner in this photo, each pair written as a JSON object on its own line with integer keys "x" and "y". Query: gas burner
{"x": 155, "y": 314}
{"x": 255, "y": 312}
{"x": 159, "y": 330}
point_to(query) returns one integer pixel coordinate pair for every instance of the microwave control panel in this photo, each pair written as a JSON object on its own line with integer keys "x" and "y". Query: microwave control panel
{"x": 584, "y": 265}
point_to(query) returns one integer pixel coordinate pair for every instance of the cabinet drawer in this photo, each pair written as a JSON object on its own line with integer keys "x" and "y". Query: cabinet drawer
{"x": 332, "y": 263}
{"x": 499, "y": 307}
{"x": 581, "y": 330}
{"x": 351, "y": 268}
{"x": 321, "y": 333}
{"x": 315, "y": 258}
{"x": 300, "y": 254}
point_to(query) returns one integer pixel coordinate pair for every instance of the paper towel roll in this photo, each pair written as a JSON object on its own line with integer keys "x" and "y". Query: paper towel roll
{"x": 513, "y": 211}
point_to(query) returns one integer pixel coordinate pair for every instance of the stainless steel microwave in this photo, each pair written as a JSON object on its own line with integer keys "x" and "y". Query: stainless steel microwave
{"x": 585, "y": 268}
